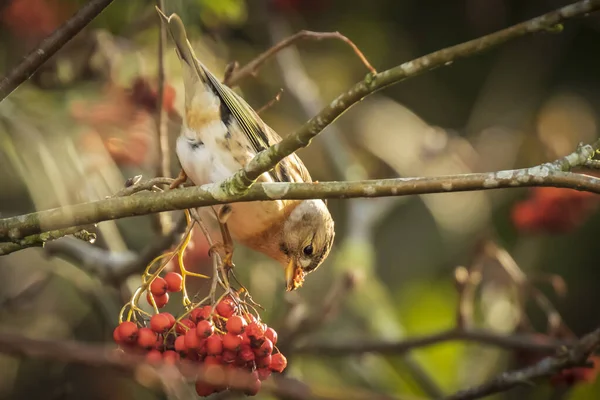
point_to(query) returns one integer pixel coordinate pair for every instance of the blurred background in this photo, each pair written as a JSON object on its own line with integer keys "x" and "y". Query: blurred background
{"x": 520, "y": 261}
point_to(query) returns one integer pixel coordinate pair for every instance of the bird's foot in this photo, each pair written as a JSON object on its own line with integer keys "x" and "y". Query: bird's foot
{"x": 181, "y": 178}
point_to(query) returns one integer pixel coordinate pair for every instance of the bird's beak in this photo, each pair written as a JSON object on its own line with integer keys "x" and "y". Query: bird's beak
{"x": 294, "y": 276}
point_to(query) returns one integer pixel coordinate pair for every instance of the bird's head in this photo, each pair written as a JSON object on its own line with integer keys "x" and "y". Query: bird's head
{"x": 306, "y": 240}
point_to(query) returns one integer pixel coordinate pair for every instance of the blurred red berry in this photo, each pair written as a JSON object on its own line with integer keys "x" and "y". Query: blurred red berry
{"x": 204, "y": 389}
{"x": 553, "y": 210}
{"x": 212, "y": 360}
{"x": 154, "y": 357}
{"x": 171, "y": 357}
{"x": 174, "y": 281}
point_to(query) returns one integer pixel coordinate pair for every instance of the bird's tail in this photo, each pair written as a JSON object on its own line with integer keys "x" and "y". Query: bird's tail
{"x": 193, "y": 69}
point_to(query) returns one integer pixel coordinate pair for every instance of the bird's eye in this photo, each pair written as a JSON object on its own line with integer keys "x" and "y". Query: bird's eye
{"x": 308, "y": 250}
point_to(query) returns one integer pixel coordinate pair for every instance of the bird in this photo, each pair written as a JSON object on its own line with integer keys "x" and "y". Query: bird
{"x": 220, "y": 134}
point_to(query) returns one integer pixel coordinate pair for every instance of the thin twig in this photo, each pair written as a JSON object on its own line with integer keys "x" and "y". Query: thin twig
{"x": 512, "y": 342}
{"x": 164, "y": 160}
{"x": 270, "y": 103}
{"x": 576, "y": 356}
{"x": 49, "y": 46}
{"x": 252, "y": 67}
{"x": 40, "y": 239}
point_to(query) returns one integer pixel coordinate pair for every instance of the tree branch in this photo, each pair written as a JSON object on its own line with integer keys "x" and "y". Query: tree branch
{"x": 576, "y": 356}
{"x": 40, "y": 239}
{"x": 237, "y": 75}
{"x": 15, "y": 228}
{"x": 267, "y": 159}
{"x": 513, "y": 342}
{"x": 49, "y": 46}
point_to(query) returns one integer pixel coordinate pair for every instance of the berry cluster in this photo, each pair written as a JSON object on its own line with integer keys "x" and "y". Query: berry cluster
{"x": 224, "y": 335}
{"x": 554, "y": 210}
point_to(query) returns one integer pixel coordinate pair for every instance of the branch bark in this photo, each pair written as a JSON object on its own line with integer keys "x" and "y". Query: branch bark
{"x": 15, "y": 228}
{"x": 49, "y": 46}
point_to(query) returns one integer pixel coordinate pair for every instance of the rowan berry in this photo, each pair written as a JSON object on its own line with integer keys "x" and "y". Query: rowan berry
{"x": 174, "y": 282}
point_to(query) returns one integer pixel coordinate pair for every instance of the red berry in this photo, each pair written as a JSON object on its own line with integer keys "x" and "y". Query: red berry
{"x": 263, "y": 373}
{"x": 229, "y": 356}
{"x": 127, "y": 332}
{"x": 184, "y": 325}
{"x": 160, "y": 301}
{"x": 256, "y": 334}
{"x": 213, "y": 360}
{"x": 154, "y": 357}
{"x": 160, "y": 323}
{"x": 246, "y": 354}
{"x": 192, "y": 341}
{"x": 278, "y": 363}
{"x": 202, "y": 313}
{"x": 116, "y": 335}
{"x": 235, "y": 325}
{"x": 271, "y": 334}
{"x": 232, "y": 342}
{"x": 174, "y": 282}
{"x": 245, "y": 339}
{"x": 158, "y": 287}
{"x": 263, "y": 362}
{"x": 180, "y": 344}
{"x": 204, "y": 329}
{"x": 214, "y": 345}
{"x": 226, "y": 307}
{"x": 265, "y": 349}
{"x": 171, "y": 319}
{"x": 171, "y": 357}
{"x": 146, "y": 338}
{"x": 204, "y": 389}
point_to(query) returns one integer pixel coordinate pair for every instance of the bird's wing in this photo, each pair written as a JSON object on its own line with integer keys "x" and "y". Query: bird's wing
{"x": 259, "y": 134}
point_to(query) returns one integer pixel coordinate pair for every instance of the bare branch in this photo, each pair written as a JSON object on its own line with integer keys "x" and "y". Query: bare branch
{"x": 576, "y": 356}
{"x": 267, "y": 159}
{"x": 40, "y": 239}
{"x": 235, "y": 74}
{"x": 50, "y": 46}
{"x": 514, "y": 342}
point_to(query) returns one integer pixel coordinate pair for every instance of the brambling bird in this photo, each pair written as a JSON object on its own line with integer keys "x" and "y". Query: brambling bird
{"x": 221, "y": 133}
